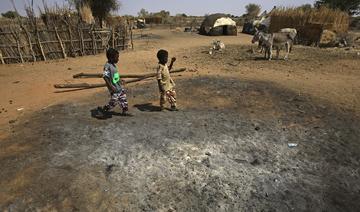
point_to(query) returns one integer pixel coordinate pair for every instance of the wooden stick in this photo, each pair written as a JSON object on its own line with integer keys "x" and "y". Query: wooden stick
{"x": 29, "y": 42}
{"x": 17, "y": 38}
{"x": 87, "y": 85}
{"x": 131, "y": 38}
{"x": 123, "y": 42}
{"x": 71, "y": 40}
{"x": 80, "y": 85}
{"x": 81, "y": 40}
{"x": 94, "y": 43}
{"x": 60, "y": 42}
{"x": 1, "y": 58}
{"x": 40, "y": 46}
{"x": 19, "y": 50}
{"x": 89, "y": 75}
{"x": 113, "y": 37}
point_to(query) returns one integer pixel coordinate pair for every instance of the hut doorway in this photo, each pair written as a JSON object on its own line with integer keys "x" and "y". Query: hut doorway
{"x": 225, "y": 30}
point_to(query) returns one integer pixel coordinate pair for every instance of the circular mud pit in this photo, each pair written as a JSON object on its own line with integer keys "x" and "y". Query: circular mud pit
{"x": 227, "y": 149}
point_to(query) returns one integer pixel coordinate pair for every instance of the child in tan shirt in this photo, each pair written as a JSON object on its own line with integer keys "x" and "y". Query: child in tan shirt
{"x": 165, "y": 82}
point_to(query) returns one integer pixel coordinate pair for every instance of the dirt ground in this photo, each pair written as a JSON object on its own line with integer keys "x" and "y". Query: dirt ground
{"x": 225, "y": 150}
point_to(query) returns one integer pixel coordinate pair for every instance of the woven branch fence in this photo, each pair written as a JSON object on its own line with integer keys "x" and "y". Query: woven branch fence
{"x": 21, "y": 43}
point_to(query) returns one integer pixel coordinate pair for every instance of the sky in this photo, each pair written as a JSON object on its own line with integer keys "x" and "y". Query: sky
{"x": 189, "y": 7}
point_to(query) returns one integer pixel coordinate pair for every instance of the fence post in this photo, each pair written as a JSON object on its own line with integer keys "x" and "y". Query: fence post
{"x": 113, "y": 37}
{"x": 60, "y": 42}
{"x": 19, "y": 50}
{"x": 71, "y": 41}
{"x": 17, "y": 38}
{"x": 1, "y": 58}
{"x": 82, "y": 46}
{"x": 131, "y": 38}
{"x": 94, "y": 42}
{"x": 40, "y": 46}
{"x": 124, "y": 38}
{"x": 29, "y": 41}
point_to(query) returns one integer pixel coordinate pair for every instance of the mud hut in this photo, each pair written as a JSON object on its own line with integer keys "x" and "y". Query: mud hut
{"x": 218, "y": 24}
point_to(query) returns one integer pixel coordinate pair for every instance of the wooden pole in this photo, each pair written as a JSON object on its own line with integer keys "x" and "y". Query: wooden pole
{"x": 124, "y": 37}
{"x": 19, "y": 51}
{"x": 79, "y": 85}
{"x": 40, "y": 46}
{"x": 82, "y": 41}
{"x": 1, "y": 57}
{"x": 94, "y": 42}
{"x": 131, "y": 38}
{"x": 71, "y": 41}
{"x": 29, "y": 42}
{"x": 113, "y": 37}
{"x": 88, "y": 86}
{"x": 60, "y": 42}
{"x": 88, "y": 75}
{"x": 17, "y": 38}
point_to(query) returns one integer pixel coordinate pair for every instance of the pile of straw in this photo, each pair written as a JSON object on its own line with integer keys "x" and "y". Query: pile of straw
{"x": 86, "y": 14}
{"x": 305, "y": 21}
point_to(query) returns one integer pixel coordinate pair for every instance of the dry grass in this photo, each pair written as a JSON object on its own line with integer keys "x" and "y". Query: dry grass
{"x": 86, "y": 14}
{"x": 116, "y": 21}
{"x": 334, "y": 20}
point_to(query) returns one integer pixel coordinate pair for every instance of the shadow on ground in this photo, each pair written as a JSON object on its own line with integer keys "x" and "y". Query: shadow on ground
{"x": 148, "y": 107}
{"x": 226, "y": 150}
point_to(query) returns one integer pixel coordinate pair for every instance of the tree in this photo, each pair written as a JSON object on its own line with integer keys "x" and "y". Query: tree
{"x": 75, "y": 3}
{"x": 183, "y": 15}
{"x": 102, "y": 8}
{"x": 99, "y": 8}
{"x": 352, "y": 7}
{"x": 143, "y": 13}
{"x": 253, "y": 10}
{"x": 163, "y": 14}
{"x": 10, "y": 14}
{"x": 306, "y": 7}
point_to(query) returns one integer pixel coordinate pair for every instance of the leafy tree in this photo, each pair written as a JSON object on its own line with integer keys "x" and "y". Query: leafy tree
{"x": 352, "y": 7}
{"x": 143, "y": 13}
{"x": 306, "y": 7}
{"x": 253, "y": 10}
{"x": 102, "y": 8}
{"x": 183, "y": 15}
{"x": 163, "y": 14}
{"x": 10, "y": 14}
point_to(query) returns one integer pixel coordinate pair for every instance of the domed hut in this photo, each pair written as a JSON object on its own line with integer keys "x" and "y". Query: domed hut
{"x": 218, "y": 24}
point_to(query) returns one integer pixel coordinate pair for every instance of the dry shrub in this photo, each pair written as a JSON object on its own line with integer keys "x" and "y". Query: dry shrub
{"x": 86, "y": 14}
{"x": 327, "y": 37}
{"x": 115, "y": 21}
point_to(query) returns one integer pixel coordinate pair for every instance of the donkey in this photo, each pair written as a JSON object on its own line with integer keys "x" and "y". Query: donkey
{"x": 277, "y": 40}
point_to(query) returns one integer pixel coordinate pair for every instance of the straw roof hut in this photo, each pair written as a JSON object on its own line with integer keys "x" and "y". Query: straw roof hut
{"x": 218, "y": 24}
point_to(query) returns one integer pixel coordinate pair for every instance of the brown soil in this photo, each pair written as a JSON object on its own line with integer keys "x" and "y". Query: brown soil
{"x": 226, "y": 150}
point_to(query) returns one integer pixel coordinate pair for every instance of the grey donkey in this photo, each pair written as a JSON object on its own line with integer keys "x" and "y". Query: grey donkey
{"x": 276, "y": 40}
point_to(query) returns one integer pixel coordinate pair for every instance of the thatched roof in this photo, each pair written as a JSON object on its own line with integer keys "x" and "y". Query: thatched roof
{"x": 214, "y": 25}
{"x": 210, "y": 20}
